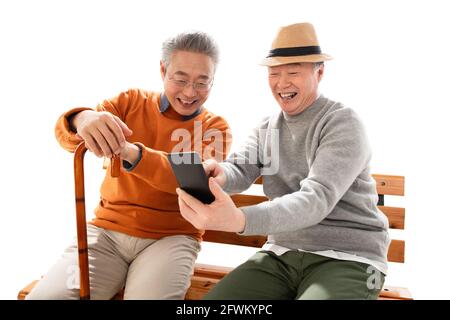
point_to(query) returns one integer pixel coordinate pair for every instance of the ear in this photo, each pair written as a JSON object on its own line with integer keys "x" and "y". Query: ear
{"x": 320, "y": 72}
{"x": 162, "y": 69}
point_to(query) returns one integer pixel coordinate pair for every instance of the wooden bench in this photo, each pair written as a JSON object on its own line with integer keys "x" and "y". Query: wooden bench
{"x": 205, "y": 277}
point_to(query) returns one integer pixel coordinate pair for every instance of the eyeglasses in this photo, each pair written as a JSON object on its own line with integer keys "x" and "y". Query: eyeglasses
{"x": 197, "y": 86}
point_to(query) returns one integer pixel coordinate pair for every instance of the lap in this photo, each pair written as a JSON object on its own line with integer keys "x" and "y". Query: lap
{"x": 333, "y": 279}
{"x": 263, "y": 276}
{"x": 163, "y": 269}
{"x": 298, "y": 275}
{"x": 107, "y": 271}
{"x": 148, "y": 268}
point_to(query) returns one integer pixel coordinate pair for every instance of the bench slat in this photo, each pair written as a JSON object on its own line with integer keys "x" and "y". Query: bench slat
{"x": 390, "y": 185}
{"x": 25, "y": 291}
{"x": 395, "y": 293}
{"x": 207, "y": 276}
{"x": 395, "y": 215}
{"x": 396, "y": 252}
{"x": 234, "y": 238}
{"x": 242, "y": 200}
{"x": 211, "y": 271}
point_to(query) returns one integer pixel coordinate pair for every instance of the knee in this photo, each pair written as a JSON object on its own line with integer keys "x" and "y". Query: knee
{"x": 48, "y": 293}
{"x": 160, "y": 291}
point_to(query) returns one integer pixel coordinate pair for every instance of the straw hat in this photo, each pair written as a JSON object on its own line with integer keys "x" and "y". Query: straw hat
{"x": 295, "y": 43}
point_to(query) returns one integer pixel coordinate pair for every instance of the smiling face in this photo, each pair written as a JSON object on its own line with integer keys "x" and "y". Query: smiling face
{"x": 295, "y": 86}
{"x": 187, "y": 80}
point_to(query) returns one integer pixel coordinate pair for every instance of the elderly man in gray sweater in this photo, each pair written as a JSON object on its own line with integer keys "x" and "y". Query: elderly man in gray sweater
{"x": 326, "y": 237}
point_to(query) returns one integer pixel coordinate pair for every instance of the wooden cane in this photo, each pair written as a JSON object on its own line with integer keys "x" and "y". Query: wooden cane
{"x": 83, "y": 261}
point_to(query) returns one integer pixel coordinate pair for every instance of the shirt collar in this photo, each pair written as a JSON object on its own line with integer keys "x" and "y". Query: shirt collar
{"x": 165, "y": 104}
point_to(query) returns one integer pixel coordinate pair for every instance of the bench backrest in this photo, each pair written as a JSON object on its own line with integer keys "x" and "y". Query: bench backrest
{"x": 386, "y": 185}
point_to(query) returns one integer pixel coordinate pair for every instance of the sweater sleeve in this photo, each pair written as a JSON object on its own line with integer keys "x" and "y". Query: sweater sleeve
{"x": 342, "y": 154}
{"x": 243, "y": 167}
{"x": 67, "y": 138}
{"x": 154, "y": 167}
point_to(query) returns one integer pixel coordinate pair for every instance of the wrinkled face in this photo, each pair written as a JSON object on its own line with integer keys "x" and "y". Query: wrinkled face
{"x": 187, "y": 80}
{"x": 295, "y": 86}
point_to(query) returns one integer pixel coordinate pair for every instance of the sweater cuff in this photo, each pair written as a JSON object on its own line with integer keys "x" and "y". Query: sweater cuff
{"x": 255, "y": 220}
{"x": 68, "y": 118}
{"x": 229, "y": 177}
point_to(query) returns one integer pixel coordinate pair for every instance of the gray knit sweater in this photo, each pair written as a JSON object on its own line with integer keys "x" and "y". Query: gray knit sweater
{"x": 316, "y": 174}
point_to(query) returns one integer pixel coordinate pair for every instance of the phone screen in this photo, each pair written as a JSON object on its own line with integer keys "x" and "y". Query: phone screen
{"x": 189, "y": 172}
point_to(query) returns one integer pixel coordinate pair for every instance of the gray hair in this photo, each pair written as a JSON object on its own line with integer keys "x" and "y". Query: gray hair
{"x": 318, "y": 64}
{"x": 198, "y": 42}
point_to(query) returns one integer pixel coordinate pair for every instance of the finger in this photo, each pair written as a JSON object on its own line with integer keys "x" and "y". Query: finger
{"x": 192, "y": 202}
{"x": 92, "y": 146}
{"x": 187, "y": 213}
{"x": 209, "y": 166}
{"x": 100, "y": 140}
{"x": 110, "y": 138}
{"x": 117, "y": 132}
{"x": 218, "y": 170}
{"x": 216, "y": 189}
{"x": 126, "y": 131}
{"x": 213, "y": 169}
{"x": 185, "y": 210}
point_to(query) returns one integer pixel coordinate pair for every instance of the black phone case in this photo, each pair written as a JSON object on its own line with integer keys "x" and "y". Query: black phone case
{"x": 190, "y": 175}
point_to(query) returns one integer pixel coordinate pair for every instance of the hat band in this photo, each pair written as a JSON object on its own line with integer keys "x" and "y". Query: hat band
{"x": 294, "y": 51}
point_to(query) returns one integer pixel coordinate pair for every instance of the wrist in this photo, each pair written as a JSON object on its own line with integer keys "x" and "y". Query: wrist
{"x": 76, "y": 119}
{"x": 130, "y": 153}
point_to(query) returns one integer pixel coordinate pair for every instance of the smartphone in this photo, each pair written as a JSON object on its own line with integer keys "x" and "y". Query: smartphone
{"x": 189, "y": 172}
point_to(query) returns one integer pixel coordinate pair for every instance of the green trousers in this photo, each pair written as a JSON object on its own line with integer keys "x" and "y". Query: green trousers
{"x": 298, "y": 275}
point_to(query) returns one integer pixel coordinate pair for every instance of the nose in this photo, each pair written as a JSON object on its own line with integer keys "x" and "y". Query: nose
{"x": 284, "y": 81}
{"x": 189, "y": 90}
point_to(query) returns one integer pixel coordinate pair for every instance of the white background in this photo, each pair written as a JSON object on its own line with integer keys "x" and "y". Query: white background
{"x": 391, "y": 65}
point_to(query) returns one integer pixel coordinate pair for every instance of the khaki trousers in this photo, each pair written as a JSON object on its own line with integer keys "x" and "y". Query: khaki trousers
{"x": 148, "y": 268}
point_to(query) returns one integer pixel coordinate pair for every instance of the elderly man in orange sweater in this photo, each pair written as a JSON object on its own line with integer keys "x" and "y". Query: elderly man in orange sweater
{"x": 138, "y": 239}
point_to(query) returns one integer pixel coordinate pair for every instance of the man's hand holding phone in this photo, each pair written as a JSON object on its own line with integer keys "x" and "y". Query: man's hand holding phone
{"x": 201, "y": 199}
{"x": 220, "y": 215}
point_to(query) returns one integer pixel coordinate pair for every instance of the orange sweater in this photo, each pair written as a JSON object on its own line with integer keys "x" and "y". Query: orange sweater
{"x": 142, "y": 202}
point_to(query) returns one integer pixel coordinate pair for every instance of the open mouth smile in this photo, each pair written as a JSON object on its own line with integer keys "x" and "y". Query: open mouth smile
{"x": 287, "y": 96}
